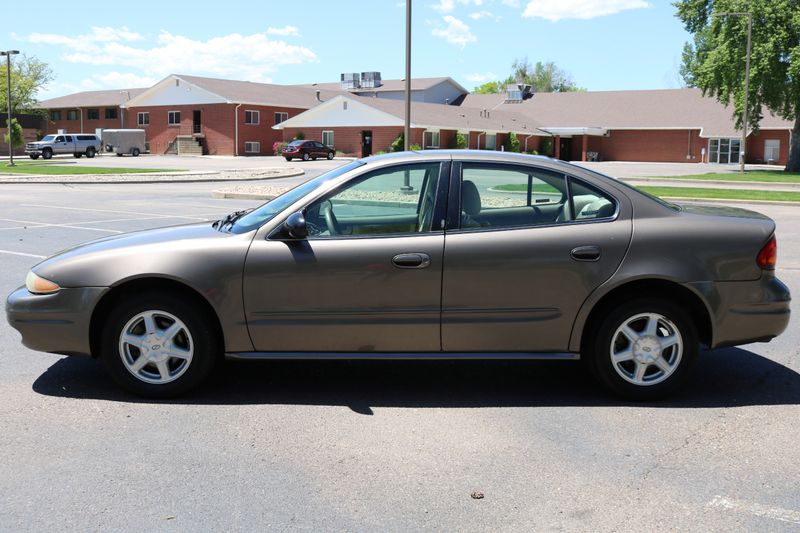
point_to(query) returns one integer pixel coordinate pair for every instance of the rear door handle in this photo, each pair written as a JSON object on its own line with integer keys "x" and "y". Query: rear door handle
{"x": 413, "y": 260}
{"x": 585, "y": 253}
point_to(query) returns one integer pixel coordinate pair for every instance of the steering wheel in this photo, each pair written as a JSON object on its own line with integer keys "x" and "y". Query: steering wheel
{"x": 330, "y": 218}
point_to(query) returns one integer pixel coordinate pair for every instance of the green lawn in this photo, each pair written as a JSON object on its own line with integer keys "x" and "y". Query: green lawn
{"x": 769, "y": 176}
{"x": 63, "y": 169}
{"x": 511, "y": 187}
{"x": 724, "y": 194}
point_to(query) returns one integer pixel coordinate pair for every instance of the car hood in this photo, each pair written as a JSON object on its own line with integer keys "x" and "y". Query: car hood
{"x": 167, "y": 252}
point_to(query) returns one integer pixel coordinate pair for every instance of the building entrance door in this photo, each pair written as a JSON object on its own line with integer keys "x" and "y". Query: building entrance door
{"x": 366, "y": 143}
{"x": 196, "y": 122}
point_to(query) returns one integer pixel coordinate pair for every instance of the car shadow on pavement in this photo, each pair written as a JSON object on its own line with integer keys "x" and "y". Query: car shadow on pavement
{"x": 722, "y": 378}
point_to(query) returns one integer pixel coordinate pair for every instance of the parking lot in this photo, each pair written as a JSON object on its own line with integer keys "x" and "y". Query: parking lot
{"x": 378, "y": 445}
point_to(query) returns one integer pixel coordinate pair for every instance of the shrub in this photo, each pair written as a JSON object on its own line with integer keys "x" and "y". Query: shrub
{"x": 546, "y": 146}
{"x": 458, "y": 141}
{"x": 277, "y": 147}
{"x": 299, "y": 136}
{"x": 399, "y": 143}
{"x": 511, "y": 144}
{"x": 415, "y": 148}
{"x": 17, "y": 137}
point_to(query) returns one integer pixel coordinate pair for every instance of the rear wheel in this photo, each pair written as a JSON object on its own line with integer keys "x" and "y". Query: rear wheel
{"x": 119, "y": 154}
{"x": 306, "y": 157}
{"x": 135, "y": 152}
{"x": 159, "y": 345}
{"x": 47, "y": 153}
{"x": 77, "y": 155}
{"x": 643, "y": 349}
{"x": 90, "y": 152}
{"x": 288, "y": 158}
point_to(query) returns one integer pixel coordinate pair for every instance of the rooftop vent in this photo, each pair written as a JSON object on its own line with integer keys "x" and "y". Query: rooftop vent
{"x": 371, "y": 80}
{"x": 350, "y": 81}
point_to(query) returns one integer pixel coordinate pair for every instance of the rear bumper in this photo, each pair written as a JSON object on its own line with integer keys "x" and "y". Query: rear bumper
{"x": 748, "y": 311}
{"x": 55, "y": 323}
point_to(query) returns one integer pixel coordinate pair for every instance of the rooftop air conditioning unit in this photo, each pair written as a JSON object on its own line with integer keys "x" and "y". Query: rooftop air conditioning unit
{"x": 371, "y": 80}
{"x": 350, "y": 81}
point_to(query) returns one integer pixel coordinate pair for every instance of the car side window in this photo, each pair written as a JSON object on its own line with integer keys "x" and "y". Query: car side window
{"x": 394, "y": 200}
{"x": 498, "y": 196}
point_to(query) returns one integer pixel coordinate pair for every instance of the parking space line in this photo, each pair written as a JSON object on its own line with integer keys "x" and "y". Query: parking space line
{"x": 23, "y": 254}
{"x": 107, "y": 211}
{"x": 45, "y": 225}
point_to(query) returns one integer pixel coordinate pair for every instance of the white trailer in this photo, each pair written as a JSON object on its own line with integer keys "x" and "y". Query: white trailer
{"x": 124, "y": 141}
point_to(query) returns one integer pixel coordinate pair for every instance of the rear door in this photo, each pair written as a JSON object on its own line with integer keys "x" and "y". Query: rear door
{"x": 524, "y": 248}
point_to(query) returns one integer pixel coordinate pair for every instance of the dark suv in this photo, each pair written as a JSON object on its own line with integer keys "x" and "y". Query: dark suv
{"x": 307, "y": 150}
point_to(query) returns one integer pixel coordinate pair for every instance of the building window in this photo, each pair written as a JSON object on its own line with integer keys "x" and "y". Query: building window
{"x": 252, "y": 117}
{"x": 327, "y": 138}
{"x": 111, "y": 112}
{"x": 280, "y": 116}
{"x": 143, "y": 119}
{"x": 174, "y": 118}
{"x": 55, "y": 115}
{"x": 772, "y": 151}
{"x": 724, "y": 151}
{"x": 491, "y": 141}
{"x": 252, "y": 147}
{"x": 431, "y": 139}
{"x": 93, "y": 114}
{"x": 72, "y": 114}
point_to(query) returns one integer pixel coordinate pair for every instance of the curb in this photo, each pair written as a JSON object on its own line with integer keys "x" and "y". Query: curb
{"x": 138, "y": 178}
{"x": 681, "y": 199}
{"x": 223, "y": 194}
{"x": 677, "y": 182}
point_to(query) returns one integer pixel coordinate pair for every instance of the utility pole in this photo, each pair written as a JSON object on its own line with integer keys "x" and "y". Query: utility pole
{"x": 8, "y": 54}
{"x": 407, "y": 130}
{"x": 749, "y": 16}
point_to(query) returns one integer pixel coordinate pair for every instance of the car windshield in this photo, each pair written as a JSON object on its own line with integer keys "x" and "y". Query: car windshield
{"x": 260, "y": 215}
{"x": 296, "y": 143}
{"x": 48, "y": 137}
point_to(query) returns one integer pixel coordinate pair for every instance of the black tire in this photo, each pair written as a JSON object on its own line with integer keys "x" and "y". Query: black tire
{"x": 288, "y": 158}
{"x": 77, "y": 155}
{"x": 202, "y": 332}
{"x": 119, "y": 154}
{"x": 306, "y": 157}
{"x": 606, "y": 338}
{"x": 90, "y": 152}
{"x": 330, "y": 156}
{"x": 34, "y": 156}
{"x": 135, "y": 152}
{"x": 47, "y": 153}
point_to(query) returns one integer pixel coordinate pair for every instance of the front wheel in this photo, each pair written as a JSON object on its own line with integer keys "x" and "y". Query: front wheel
{"x": 159, "y": 345}
{"x": 330, "y": 156}
{"x": 288, "y": 158}
{"x": 643, "y": 349}
{"x": 34, "y": 156}
{"x": 47, "y": 153}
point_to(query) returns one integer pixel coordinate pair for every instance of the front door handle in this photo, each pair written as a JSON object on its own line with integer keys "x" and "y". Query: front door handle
{"x": 585, "y": 253}
{"x": 414, "y": 260}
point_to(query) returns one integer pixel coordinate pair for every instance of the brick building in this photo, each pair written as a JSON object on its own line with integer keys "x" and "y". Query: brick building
{"x": 87, "y": 111}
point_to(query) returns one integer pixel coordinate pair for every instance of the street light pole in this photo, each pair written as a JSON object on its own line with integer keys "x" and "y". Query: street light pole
{"x": 407, "y": 129}
{"x": 749, "y": 16}
{"x": 8, "y": 54}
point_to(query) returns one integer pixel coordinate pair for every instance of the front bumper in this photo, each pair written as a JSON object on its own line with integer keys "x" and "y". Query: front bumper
{"x": 747, "y": 311}
{"x": 55, "y": 323}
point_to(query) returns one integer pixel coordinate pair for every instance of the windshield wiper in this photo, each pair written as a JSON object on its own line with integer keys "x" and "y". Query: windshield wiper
{"x": 230, "y": 219}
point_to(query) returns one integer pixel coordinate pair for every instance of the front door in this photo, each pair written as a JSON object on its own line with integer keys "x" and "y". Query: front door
{"x": 366, "y": 279}
{"x": 196, "y": 121}
{"x": 565, "y": 148}
{"x": 526, "y": 252}
{"x": 366, "y": 143}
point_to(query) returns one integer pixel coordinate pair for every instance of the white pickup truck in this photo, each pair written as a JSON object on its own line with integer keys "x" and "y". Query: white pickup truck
{"x": 76, "y": 144}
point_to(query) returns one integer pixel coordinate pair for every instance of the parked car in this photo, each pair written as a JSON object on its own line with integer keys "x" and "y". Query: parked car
{"x": 124, "y": 141}
{"x": 306, "y": 150}
{"x": 438, "y": 254}
{"x": 77, "y": 144}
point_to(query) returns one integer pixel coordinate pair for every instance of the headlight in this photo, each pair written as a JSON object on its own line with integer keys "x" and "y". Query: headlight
{"x": 39, "y": 285}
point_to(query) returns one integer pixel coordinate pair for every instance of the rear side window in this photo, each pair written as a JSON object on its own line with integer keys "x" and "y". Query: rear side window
{"x": 87, "y": 138}
{"x": 589, "y": 203}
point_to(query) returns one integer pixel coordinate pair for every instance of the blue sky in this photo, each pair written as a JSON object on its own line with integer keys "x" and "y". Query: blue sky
{"x": 603, "y": 44}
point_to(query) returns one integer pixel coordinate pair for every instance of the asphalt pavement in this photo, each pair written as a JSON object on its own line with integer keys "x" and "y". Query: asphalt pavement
{"x": 377, "y": 446}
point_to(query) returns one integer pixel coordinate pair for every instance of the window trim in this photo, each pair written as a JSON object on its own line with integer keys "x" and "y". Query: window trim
{"x": 253, "y": 112}
{"x": 170, "y": 115}
{"x": 252, "y": 143}
{"x": 281, "y": 116}
{"x": 143, "y": 118}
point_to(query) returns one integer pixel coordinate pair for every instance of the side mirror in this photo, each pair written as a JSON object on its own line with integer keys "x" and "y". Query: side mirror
{"x": 295, "y": 226}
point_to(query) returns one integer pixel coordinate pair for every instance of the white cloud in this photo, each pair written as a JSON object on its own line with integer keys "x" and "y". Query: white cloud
{"x": 579, "y": 9}
{"x": 511, "y": 3}
{"x": 286, "y": 31}
{"x": 455, "y": 32}
{"x": 444, "y": 6}
{"x": 481, "y": 78}
{"x": 247, "y": 57}
{"x": 478, "y": 15}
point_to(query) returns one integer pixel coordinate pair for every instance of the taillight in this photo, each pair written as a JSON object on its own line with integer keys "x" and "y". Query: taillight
{"x": 768, "y": 256}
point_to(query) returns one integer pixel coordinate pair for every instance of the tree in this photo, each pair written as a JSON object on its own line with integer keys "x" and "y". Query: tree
{"x": 17, "y": 135}
{"x": 543, "y": 77}
{"x": 715, "y": 60}
{"x": 28, "y": 75}
{"x": 511, "y": 144}
{"x": 490, "y": 87}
